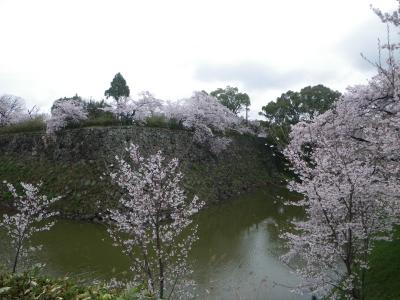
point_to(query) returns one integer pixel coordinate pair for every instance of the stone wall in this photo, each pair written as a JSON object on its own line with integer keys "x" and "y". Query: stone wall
{"x": 72, "y": 163}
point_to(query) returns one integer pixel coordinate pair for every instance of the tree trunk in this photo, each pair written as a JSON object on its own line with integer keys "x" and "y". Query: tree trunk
{"x": 160, "y": 262}
{"x": 16, "y": 258}
{"x": 161, "y": 265}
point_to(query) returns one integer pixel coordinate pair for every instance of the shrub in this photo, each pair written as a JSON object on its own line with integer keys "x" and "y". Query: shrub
{"x": 29, "y": 125}
{"x": 30, "y": 285}
{"x": 156, "y": 121}
{"x": 105, "y": 120}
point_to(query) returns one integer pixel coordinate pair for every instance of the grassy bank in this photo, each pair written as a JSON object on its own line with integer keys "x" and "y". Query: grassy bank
{"x": 383, "y": 278}
{"x": 39, "y": 124}
{"x": 73, "y": 165}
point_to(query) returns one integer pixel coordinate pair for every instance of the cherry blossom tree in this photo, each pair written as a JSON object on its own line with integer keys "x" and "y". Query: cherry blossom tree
{"x": 11, "y": 109}
{"x": 64, "y": 113}
{"x": 153, "y": 223}
{"x": 203, "y": 110}
{"x": 348, "y": 165}
{"x": 201, "y": 113}
{"x": 122, "y": 108}
{"x": 33, "y": 113}
{"x": 147, "y": 105}
{"x": 32, "y": 212}
{"x": 205, "y": 115}
{"x": 136, "y": 110}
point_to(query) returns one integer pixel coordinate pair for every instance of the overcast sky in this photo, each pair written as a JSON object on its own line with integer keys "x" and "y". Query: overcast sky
{"x": 55, "y": 48}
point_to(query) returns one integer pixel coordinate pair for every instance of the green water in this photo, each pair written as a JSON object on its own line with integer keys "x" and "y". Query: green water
{"x": 236, "y": 256}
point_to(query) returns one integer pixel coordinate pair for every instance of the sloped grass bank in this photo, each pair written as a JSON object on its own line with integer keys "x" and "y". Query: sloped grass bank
{"x": 39, "y": 124}
{"x": 73, "y": 165}
{"x": 383, "y": 278}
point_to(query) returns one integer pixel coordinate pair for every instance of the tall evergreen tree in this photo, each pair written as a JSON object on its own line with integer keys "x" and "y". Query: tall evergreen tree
{"x": 118, "y": 88}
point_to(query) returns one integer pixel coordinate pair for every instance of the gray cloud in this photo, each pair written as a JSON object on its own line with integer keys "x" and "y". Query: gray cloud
{"x": 364, "y": 39}
{"x": 251, "y": 75}
{"x": 261, "y": 77}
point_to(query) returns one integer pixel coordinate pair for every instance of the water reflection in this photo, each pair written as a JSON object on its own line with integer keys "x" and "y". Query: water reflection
{"x": 236, "y": 256}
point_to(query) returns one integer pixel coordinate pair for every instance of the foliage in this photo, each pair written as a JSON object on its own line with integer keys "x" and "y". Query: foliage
{"x": 157, "y": 121}
{"x": 31, "y": 285}
{"x": 118, "y": 88}
{"x": 106, "y": 120}
{"x": 347, "y": 160}
{"x": 153, "y": 224}
{"x": 95, "y": 109}
{"x": 32, "y": 210}
{"x": 174, "y": 124}
{"x": 232, "y": 99}
{"x": 28, "y": 125}
{"x": 293, "y": 107}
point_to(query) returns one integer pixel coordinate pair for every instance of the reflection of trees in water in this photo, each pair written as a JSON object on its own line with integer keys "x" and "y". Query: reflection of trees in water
{"x": 236, "y": 255}
{"x": 228, "y": 236}
{"x": 221, "y": 228}
{"x": 7, "y": 253}
{"x": 5, "y": 250}
{"x": 82, "y": 250}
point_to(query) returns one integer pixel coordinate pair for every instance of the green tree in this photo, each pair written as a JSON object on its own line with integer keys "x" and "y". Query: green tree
{"x": 232, "y": 99}
{"x": 95, "y": 109}
{"x": 118, "y": 88}
{"x": 293, "y": 107}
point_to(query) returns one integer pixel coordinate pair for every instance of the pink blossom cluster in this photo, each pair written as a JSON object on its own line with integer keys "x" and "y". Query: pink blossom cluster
{"x": 205, "y": 115}
{"x": 136, "y": 110}
{"x": 65, "y": 113}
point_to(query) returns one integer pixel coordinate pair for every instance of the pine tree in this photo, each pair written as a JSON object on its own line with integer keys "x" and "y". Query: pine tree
{"x": 118, "y": 88}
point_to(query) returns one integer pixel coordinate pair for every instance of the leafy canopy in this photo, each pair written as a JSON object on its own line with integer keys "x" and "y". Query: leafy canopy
{"x": 231, "y": 98}
{"x": 293, "y": 107}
